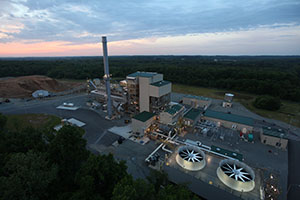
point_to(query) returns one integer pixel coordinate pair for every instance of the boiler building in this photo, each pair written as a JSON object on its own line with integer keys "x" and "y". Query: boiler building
{"x": 147, "y": 91}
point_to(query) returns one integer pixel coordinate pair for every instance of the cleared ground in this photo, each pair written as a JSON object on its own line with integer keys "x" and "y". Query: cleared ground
{"x": 20, "y": 122}
{"x": 24, "y": 86}
{"x": 289, "y": 111}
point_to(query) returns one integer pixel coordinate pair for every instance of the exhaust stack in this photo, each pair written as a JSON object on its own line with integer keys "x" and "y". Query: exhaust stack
{"x": 106, "y": 76}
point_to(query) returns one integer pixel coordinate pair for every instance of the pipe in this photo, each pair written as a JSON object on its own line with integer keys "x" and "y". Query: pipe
{"x": 167, "y": 150}
{"x": 147, "y": 159}
{"x": 167, "y": 140}
{"x": 106, "y": 76}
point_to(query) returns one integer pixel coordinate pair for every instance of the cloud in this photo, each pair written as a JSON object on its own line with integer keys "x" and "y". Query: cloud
{"x": 265, "y": 40}
{"x": 52, "y": 20}
{"x": 84, "y": 22}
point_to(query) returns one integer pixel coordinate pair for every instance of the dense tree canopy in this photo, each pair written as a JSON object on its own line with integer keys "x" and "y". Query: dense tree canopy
{"x": 267, "y": 102}
{"x": 35, "y": 165}
{"x": 276, "y": 76}
{"x": 27, "y": 176}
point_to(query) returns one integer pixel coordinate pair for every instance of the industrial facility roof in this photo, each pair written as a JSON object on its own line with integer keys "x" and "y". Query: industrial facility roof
{"x": 173, "y": 109}
{"x": 197, "y": 97}
{"x": 229, "y": 117}
{"x": 160, "y": 83}
{"x": 274, "y": 132}
{"x": 227, "y": 152}
{"x": 142, "y": 74}
{"x": 193, "y": 114}
{"x": 144, "y": 116}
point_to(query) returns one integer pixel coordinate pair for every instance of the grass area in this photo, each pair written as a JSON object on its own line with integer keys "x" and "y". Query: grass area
{"x": 289, "y": 111}
{"x": 39, "y": 121}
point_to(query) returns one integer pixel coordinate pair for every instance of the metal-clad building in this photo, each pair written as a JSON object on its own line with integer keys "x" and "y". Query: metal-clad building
{"x": 192, "y": 116}
{"x": 196, "y": 101}
{"x": 241, "y": 123}
{"x": 142, "y": 121}
{"x": 171, "y": 114}
{"x": 273, "y": 137}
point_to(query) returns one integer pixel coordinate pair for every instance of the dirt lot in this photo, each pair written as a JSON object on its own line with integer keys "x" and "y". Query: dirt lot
{"x": 24, "y": 86}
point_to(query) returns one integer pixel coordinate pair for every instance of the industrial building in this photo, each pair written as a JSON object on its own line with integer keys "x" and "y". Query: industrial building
{"x": 228, "y": 120}
{"x": 274, "y": 137}
{"x": 196, "y": 101}
{"x": 171, "y": 114}
{"x": 141, "y": 122}
{"x": 192, "y": 116}
{"x": 147, "y": 91}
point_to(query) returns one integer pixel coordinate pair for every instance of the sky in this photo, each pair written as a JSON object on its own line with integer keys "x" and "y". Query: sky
{"x": 149, "y": 27}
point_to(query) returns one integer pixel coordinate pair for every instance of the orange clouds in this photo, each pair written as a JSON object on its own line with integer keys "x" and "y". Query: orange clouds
{"x": 55, "y": 48}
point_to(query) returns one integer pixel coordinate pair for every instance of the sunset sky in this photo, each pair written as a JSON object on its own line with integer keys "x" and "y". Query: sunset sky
{"x": 153, "y": 27}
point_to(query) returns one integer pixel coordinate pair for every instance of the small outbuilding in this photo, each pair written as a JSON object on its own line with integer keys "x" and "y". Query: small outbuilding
{"x": 274, "y": 137}
{"x": 141, "y": 122}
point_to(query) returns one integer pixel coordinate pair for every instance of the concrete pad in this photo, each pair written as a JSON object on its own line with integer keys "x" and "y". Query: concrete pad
{"x": 123, "y": 131}
{"x": 76, "y": 122}
{"x": 66, "y": 108}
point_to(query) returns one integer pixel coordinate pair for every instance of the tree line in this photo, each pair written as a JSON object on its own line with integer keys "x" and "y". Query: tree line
{"x": 42, "y": 164}
{"x": 277, "y": 76}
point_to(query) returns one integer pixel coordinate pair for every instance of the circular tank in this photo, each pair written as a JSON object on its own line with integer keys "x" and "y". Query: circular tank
{"x": 229, "y": 97}
{"x": 190, "y": 158}
{"x": 236, "y": 175}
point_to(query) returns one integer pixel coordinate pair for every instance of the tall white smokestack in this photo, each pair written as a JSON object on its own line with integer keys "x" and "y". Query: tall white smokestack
{"x": 106, "y": 76}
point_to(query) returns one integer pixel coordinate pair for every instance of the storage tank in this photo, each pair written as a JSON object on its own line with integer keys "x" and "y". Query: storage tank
{"x": 228, "y": 97}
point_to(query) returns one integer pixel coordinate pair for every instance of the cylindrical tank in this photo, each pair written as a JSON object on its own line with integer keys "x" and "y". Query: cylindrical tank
{"x": 228, "y": 97}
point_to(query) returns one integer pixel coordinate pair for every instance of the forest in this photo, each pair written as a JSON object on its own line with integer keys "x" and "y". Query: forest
{"x": 42, "y": 164}
{"x": 277, "y": 76}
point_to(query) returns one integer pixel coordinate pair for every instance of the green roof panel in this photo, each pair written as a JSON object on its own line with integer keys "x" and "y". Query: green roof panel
{"x": 142, "y": 74}
{"x": 160, "y": 83}
{"x": 192, "y": 114}
{"x": 274, "y": 132}
{"x": 226, "y": 152}
{"x": 173, "y": 109}
{"x": 229, "y": 117}
{"x": 197, "y": 97}
{"x": 144, "y": 116}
